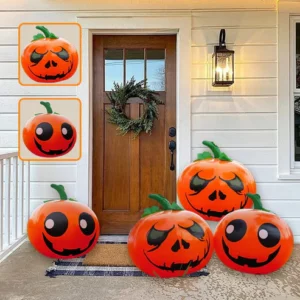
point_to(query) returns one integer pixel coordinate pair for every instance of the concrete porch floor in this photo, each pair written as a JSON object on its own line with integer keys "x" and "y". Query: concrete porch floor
{"x": 22, "y": 278}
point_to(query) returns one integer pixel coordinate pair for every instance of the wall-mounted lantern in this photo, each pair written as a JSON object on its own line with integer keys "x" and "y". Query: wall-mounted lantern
{"x": 222, "y": 63}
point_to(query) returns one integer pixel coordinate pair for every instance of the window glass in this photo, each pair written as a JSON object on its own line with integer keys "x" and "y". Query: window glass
{"x": 156, "y": 69}
{"x": 114, "y": 67}
{"x": 298, "y": 55}
{"x": 135, "y": 64}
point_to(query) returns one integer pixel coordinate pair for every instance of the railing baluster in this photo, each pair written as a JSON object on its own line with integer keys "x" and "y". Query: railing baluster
{"x": 7, "y": 197}
{"x": 15, "y": 198}
{"x": 21, "y": 195}
{"x": 1, "y": 205}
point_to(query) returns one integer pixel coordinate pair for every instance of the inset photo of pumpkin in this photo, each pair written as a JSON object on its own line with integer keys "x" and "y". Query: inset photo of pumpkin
{"x": 49, "y": 54}
{"x": 49, "y": 129}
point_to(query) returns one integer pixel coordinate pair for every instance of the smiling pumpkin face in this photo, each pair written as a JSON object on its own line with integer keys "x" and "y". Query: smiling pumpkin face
{"x": 63, "y": 228}
{"x": 253, "y": 240}
{"x": 170, "y": 243}
{"x": 49, "y": 135}
{"x": 214, "y": 187}
{"x": 49, "y": 58}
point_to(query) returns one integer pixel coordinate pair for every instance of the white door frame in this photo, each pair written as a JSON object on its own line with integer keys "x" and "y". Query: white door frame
{"x": 161, "y": 24}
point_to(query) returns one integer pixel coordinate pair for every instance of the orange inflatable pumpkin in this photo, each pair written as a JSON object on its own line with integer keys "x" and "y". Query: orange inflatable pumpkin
{"x": 49, "y": 58}
{"x": 215, "y": 186}
{"x": 253, "y": 240}
{"x": 50, "y": 134}
{"x": 170, "y": 243}
{"x": 63, "y": 228}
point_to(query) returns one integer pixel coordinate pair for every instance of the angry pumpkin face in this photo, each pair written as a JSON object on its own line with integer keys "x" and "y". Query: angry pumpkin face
{"x": 49, "y": 135}
{"x": 253, "y": 240}
{"x": 49, "y": 58}
{"x": 170, "y": 243}
{"x": 63, "y": 228}
{"x": 214, "y": 187}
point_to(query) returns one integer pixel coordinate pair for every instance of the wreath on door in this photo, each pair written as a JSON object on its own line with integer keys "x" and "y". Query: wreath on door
{"x": 119, "y": 97}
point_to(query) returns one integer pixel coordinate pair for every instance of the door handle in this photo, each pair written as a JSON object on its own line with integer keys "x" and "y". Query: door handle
{"x": 172, "y": 147}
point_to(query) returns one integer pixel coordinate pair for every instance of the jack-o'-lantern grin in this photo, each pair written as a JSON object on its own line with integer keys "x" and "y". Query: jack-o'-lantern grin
{"x": 198, "y": 184}
{"x": 51, "y": 64}
{"x": 54, "y": 152}
{"x": 250, "y": 262}
{"x": 67, "y": 252}
{"x": 195, "y": 230}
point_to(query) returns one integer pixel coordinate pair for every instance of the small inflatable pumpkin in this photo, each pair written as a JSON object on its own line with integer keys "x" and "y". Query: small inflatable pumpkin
{"x": 253, "y": 240}
{"x": 170, "y": 243}
{"x": 50, "y": 134}
{"x": 49, "y": 58}
{"x": 215, "y": 186}
{"x": 63, "y": 228}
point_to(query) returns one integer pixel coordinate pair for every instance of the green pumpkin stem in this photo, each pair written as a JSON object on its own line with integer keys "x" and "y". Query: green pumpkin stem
{"x": 213, "y": 147}
{"x": 166, "y": 205}
{"x": 215, "y": 150}
{"x": 46, "y": 32}
{"x": 257, "y": 202}
{"x": 47, "y": 106}
{"x": 61, "y": 190}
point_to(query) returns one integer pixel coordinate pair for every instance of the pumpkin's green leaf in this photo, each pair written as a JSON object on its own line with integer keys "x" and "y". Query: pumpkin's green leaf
{"x": 52, "y": 36}
{"x": 38, "y": 36}
{"x": 38, "y": 114}
{"x": 203, "y": 155}
{"x": 175, "y": 206}
{"x": 45, "y": 201}
{"x": 150, "y": 210}
{"x": 223, "y": 156}
{"x": 71, "y": 199}
{"x": 56, "y": 113}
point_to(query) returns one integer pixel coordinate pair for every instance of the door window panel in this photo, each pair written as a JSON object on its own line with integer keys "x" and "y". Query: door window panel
{"x": 135, "y": 64}
{"x": 114, "y": 67}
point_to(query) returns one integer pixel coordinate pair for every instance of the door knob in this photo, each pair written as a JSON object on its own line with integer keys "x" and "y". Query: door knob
{"x": 172, "y": 147}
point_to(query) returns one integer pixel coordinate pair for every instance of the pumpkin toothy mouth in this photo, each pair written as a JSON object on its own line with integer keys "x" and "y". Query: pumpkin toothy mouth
{"x": 53, "y": 152}
{"x": 53, "y": 77}
{"x": 68, "y": 252}
{"x": 250, "y": 262}
{"x": 213, "y": 213}
{"x": 181, "y": 266}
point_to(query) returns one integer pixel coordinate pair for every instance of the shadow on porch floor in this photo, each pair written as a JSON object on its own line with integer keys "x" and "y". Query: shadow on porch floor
{"x": 22, "y": 278}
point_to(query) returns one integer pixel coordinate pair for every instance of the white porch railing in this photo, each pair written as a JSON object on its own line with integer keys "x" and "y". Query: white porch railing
{"x": 14, "y": 202}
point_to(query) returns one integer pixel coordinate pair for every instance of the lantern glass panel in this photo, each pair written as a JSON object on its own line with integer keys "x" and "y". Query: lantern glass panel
{"x": 223, "y": 68}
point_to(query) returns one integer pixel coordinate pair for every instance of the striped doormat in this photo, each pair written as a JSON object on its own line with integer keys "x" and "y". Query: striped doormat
{"x": 75, "y": 267}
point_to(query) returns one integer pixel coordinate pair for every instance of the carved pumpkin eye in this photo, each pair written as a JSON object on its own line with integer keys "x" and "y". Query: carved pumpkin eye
{"x": 86, "y": 223}
{"x": 56, "y": 224}
{"x": 235, "y": 184}
{"x": 63, "y": 54}
{"x": 36, "y": 57}
{"x": 198, "y": 184}
{"x": 67, "y": 131}
{"x": 268, "y": 235}
{"x": 44, "y": 131}
{"x": 236, "y": 230}
{"x": 156, "y": 237}
{"x": 196, "y": 230}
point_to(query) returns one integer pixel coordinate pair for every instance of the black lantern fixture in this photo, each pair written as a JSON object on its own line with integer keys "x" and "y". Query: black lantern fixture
{"x": 222, "y": 63}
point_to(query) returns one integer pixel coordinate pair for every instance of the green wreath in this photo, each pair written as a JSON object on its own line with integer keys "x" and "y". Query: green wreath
{"x": 119, "y": 96}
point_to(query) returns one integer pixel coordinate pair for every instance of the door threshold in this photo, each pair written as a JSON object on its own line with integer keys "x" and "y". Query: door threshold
{"x": 106, "y": 238}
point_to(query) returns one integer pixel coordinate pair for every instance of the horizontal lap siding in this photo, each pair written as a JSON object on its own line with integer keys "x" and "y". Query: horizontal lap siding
{"x": 242, "y": 119}
{"x": 42, "y": 174}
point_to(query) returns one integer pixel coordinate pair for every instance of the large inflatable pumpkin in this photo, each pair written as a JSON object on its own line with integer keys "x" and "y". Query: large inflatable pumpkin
{"x": 63, "y": 228}
{"x": 49, "y": 58}
{"x": 49, "y": 134}
{"x": 253, "y": 240}
{"x": 215, "y": 186}
{"x": 170, "y": 243}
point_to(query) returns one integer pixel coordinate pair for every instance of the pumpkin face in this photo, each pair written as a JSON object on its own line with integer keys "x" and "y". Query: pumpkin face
{"x": 63, "y": 229}
{"x": 214, "y": 187}
{"x": 49, "y": 58}
{"x": 253, "y": 241}
{"x": 170, "y": 243}
{"x": 49, "y": 135}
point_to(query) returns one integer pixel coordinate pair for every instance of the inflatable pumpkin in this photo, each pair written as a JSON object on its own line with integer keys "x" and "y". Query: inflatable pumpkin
{"x": 49, "y": 58}
{"x": 170, "y": 243}
{"x": 50, "y": 134}
{"x": 253, "y": 240}
{"x": 63, "y": 228}
{"x": 215, "y": 186}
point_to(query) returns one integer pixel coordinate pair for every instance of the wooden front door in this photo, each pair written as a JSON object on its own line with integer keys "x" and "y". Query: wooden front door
{"x": 126, "y": 170}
